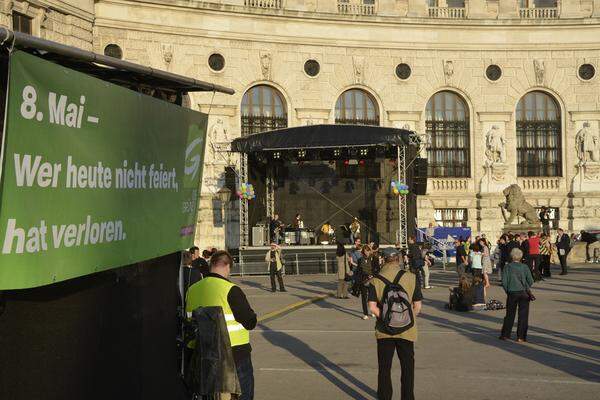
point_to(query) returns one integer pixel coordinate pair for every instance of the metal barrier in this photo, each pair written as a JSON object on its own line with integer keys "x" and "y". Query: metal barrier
{"x": 295, "y": 263}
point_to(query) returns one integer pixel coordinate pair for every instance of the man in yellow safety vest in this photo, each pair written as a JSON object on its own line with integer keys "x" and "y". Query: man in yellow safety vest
{"x": 216, "y": 290}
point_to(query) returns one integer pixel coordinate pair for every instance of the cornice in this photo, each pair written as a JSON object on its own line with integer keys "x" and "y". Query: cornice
{"x": 247, "y": 27}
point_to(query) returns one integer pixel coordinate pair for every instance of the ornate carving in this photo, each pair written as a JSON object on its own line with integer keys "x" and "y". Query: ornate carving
{"x": 266, "y": 61}
{"x": 359, "y": 68}
{"x": 448, "y": 69}
{"x": 540, "y": 71}
{"x": 587, "y": 142}
{"x": 495, "y": 146}
{"x": 516, "y": 205}
{"x": 167, "y": 53}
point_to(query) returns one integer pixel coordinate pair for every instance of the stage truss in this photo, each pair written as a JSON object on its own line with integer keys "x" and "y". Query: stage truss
{"x": 401, "y": 234}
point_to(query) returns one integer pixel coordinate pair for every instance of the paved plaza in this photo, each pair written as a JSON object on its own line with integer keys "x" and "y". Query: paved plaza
{"x": 324, "y": 350}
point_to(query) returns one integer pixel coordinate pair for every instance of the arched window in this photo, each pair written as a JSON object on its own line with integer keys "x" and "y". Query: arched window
{"x": 356, "y": 107}
{"x": 447, "y": 124}
{"x": 538, "y": 136}
{"x": 263, "y": 109}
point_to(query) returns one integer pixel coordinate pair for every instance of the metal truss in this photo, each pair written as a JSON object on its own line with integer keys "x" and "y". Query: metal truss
{"x": 402, "y": 236}
{"x": 244, "y": 221}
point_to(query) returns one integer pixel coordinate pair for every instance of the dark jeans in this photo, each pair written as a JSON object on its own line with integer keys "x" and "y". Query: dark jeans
{"x": 364, "y": 297}
{"x": 514, "y": 299}
{"x": 534, "y": 266}
{"x": 461, "y": 269}
{"x": 273, "y": 271}
{"x": 385, "y": 355}
{"x": 545, "y": 265}
{"x": 245, "y": 372}
{"x": 563, "y": 263}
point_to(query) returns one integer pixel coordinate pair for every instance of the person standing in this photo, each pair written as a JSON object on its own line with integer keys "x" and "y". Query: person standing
{"x": 416, "y": 261}
{"x": 563, "y": 245}
{"x": 476, "y": 258}
{"x": 275, "y": 264}
{"x": 486, "y": 261}
{"x": 545, "y": 219}
{"x": 534, "y": 255}
{"x": 545, "y": 250}
{"x": 365, "y": 273}
{"x": 354, "y": 230}
{"x": 401, "y": 343}
{"x": 461, "y": 257}
{"x": 516, "y": 281}
{"x": 215, "y": 290}
{"x": 343, "y": 271}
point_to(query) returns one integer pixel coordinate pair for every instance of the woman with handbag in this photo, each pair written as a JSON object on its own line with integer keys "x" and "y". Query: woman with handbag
{"x": 516, "y": 281}
{"x": 344, "y": 273}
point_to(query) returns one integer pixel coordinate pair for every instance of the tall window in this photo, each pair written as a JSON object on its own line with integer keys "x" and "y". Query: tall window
{"x": 447, "y": 124}
{"x": 538, "y": 136}
{"x": 263, "y": 109}
{"x": 356, "y": 107}
{"x": 21, "y": 23}
{"x": 451, "y": 217}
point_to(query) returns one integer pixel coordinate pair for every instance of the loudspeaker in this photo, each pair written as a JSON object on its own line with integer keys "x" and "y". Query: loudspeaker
{"x": 420, "y": 176}
{"x": 259, "y": 236}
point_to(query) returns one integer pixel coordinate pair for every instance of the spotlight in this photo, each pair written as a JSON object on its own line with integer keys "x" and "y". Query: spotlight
{"x": 361, "y": 162}
{"x": 346, "y": 162}
{"x": 276, "y": 155}
{"x": 337, "y": 152}
{"x": 301, "y": 153}
{"x": 364, "y": 152}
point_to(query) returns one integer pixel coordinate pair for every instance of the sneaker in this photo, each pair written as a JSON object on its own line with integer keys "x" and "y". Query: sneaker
{"x": 503, "y": 338}
{"x": 428, "y": 287}
{"x": 365, "y": 317}
{"x": 521, "y": 340}
{"x": 283, "y": 290}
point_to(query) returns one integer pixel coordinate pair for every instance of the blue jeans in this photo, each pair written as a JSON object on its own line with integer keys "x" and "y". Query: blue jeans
{"x": 245, "y": 372}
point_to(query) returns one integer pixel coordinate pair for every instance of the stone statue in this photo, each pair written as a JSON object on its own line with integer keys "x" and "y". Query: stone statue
{"x": 448, "y": 69}
{"x": 495, "y": 144}
{"x": 218, "y": 134}
{"x": 540, "y": 69}
{"x": 359, "y": 66}
{"x": 587, "y": 142}
{"x": 265, "y": 64}
{"x": 516, "y": 205}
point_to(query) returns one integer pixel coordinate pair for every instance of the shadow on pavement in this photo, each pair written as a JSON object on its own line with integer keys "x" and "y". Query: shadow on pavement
{"x": 319, "y": 363}
{"x": 569, "y": 361}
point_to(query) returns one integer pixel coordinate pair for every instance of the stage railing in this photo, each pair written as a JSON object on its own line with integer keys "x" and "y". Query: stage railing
{"x": 295, "y": 263}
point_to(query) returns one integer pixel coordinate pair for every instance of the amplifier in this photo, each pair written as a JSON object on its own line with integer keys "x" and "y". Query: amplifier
{"x": 259, "y": 236}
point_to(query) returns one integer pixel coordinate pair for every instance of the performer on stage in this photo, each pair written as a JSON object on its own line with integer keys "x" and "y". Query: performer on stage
{"x": 298, "y": 225}
{"x": 327, "y": 233}
{"x": 275, "y": 229}
{"x": 354, "y": 230}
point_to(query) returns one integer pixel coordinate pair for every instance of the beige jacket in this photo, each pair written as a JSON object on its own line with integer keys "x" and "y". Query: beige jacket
{"x": 277, "y": 259}
{"x": 343, "y": 266}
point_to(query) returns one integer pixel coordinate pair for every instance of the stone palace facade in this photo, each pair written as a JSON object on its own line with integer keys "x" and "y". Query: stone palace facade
{"x": 501, "y": 91}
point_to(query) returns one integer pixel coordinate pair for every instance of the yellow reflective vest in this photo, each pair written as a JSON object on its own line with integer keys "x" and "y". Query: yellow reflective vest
{"x": 212, "y": 292}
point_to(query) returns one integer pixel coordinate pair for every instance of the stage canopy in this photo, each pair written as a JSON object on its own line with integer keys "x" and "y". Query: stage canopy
{"x": 323, "y": 137}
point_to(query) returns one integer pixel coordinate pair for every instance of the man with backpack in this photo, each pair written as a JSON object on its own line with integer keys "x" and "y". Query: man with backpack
{"x": 395, "y": 299}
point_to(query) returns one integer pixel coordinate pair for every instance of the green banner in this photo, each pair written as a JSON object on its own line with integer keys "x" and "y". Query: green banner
{"x": 94, "y": 176}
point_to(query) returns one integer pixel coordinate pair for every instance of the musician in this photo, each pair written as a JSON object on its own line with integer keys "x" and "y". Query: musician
{"x": 354, "y": 230}
{"x": 275, "y": 229}
{"x": 327, "y": 233}
{"x": 298, "y": 225}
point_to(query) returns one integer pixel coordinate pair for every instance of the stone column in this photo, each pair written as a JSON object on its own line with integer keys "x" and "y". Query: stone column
{"x": 596, "y": 8}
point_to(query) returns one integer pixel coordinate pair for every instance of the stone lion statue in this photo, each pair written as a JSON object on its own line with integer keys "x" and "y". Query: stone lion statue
{"x": 516, "y": 205}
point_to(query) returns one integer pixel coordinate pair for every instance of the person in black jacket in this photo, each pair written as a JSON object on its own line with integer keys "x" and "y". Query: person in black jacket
{"x": 563, "y": 245}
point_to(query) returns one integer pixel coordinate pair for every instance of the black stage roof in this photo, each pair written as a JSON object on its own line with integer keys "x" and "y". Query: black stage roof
{"x": 322, "y": 137}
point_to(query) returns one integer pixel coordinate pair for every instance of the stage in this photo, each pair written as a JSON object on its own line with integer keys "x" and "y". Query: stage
{"x": 329, "y": 175}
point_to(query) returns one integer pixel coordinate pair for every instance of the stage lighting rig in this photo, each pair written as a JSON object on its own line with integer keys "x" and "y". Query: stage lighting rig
{"x": 301, "y": 154}
{"x": 276, "y": 155}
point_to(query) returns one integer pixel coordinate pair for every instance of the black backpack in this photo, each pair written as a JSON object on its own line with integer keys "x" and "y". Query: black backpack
{"x": 396, "y": 311}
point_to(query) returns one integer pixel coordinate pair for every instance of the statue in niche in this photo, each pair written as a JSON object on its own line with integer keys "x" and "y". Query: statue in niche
{"x": 516, "y": 205}
{"x": 266, "y": 60}
{"x": 495, "y": 146}
{"x": 587, "y": 143}
{"x": 218, "y": 134}
{"x": 540, "y": 69}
